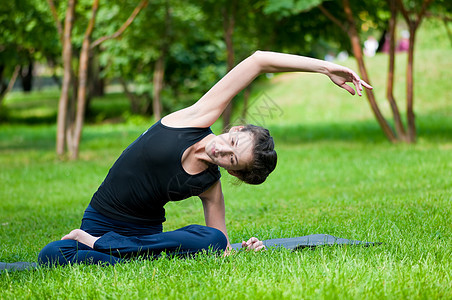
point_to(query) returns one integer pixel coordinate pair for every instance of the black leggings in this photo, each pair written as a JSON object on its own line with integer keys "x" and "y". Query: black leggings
{"x": 120, "y": 241}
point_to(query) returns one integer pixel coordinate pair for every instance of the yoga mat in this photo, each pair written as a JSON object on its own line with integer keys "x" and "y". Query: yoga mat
{"x": 295, "y": 243}
{"x": 17, "y": 266}
{"x": 308, "y": 241}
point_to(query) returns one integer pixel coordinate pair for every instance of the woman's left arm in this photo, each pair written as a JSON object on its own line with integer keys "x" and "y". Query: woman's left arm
{"x": 214, "y": 214}
{"x": 210, "y": 106}
{"x": 214, "y": 209}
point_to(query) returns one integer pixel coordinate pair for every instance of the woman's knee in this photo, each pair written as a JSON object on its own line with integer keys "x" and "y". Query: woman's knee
{"x": 219, "y": 240}
{"x": 211, "y": 238}
{"x": 58, "y": 253}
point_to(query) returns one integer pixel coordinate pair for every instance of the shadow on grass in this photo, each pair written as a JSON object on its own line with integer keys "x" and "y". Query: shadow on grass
{"x": 430, "y": 128}
{"x": 41, "y": 109}
{"x": 23, "y": 138}
{"x": 31, "y": 120}
{"x": 26, "y": 137}
{"x": 351, "y": 132}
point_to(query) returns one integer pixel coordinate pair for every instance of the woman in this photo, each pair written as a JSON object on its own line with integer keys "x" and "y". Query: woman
{"x": 176, "y": 158}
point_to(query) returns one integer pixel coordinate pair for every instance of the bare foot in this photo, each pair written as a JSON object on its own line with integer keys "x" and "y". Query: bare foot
{"x": 82, "y": 237}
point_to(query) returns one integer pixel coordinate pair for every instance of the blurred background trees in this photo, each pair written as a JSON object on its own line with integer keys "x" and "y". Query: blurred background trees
{"x": 26, "y": 36}
{"x": 173, "y": 51}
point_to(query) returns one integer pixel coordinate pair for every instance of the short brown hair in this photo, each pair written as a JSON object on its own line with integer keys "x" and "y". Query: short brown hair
{"x": 264, "y": 156}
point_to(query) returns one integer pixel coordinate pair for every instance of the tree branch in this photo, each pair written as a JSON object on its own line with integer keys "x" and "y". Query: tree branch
{"x": 58, "y": 24}
{"x": 403, "y": 10}
{"x": 422, "y": 12}
{"x": 332, "y": 18}
{"x": 10, "y": 84}
{"x": 92, "y": 20}
{"x": 124, "y": 26}
{"x": 444, "y": 18}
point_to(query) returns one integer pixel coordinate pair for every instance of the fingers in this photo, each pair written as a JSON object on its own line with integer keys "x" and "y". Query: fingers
{"x": 359, "y": 88}
{"x": 252, "y": 240}
{"x": 227, "y": 252}
{"x": 260, "y": 247}
{"x": 359, "y": 83}
{"x": 348, "y": 88}
{"x": 366, "y": 85}
{"x": 253, "y": 244}
{"x": 73, "y": 235}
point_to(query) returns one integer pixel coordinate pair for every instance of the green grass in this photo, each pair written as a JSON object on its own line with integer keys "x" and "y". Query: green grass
{"x": 336, "y": 174}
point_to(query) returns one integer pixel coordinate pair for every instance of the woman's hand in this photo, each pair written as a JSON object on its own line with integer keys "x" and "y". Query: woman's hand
{"x": 253, "y": 244}
{"x": 341, "y": 75}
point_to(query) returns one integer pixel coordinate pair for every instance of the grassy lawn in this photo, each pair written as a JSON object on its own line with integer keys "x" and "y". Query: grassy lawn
{"x": 336, "y": 174}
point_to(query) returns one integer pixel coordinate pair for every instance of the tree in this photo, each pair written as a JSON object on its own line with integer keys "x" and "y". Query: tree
{"x": 442, "y": 10}
{"x": 69, "y": 129}
{"x": 345, "y": 17}
{"x": 236, "y": 21}
{"x": 413, "y": 17}
{"x": 143, "y": 55}
{"x": 350, "y": 27}
{"x": 159, "y": 68}
{"x": 26, "y": 36}
{"x": 181, "y": 43}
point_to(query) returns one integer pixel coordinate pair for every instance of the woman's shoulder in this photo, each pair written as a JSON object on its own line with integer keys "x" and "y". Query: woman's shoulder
{"x": 182, "y": 119}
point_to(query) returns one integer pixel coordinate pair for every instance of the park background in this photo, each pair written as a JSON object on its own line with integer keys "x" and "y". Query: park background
{"x": 338, "y": 172}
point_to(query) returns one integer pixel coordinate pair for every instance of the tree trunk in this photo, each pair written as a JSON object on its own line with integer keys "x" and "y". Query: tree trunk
{"x": 71, "y": 110}
{"x": 96, "y": 82}
{"x": 83, "y": 70}
{"x": 390, "y": 83}
{"x": 26, "y": 75}
{"x": 10, "y": 85}
{"x": 246, "y": 97}
{"x": 357, "y": 51}
{"x": 159, "y": 72}
{"x": 228, "y": 32}
{"x": 413, "y": 25}
{"x": 159, "y": 68}
{"x": 3, "y": 85}
{"x": 134, "y": 100}
{"x": 83, "y": 83}
{"x": 449, "y": 33}
{"x": 67, "y": 78}
{"x": 409, "y": 88}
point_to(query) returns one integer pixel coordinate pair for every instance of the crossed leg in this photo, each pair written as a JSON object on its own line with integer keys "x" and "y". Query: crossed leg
{"x": 81, "y": 247}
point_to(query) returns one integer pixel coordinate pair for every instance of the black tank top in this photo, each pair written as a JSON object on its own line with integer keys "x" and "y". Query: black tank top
{"x": 149, "y": 173}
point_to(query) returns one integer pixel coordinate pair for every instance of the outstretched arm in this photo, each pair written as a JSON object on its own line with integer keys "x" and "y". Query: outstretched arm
{"x": 214, "y": 214}
{"x": 272, "y": 62}
{"x": 210, "y": 107}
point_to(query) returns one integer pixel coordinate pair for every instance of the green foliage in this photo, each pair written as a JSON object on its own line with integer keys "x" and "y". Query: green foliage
{"x": 287, "y": 8}
{"x": 27, "y": 33}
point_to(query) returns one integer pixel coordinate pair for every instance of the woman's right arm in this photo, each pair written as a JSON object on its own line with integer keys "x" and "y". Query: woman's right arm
{"x": 210, "y": 106}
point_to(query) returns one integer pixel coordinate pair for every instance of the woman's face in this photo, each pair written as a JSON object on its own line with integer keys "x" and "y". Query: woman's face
{"x": 232, "y": 150}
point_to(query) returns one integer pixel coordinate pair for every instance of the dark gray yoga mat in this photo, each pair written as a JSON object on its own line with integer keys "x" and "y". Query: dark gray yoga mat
{"x": 308, "y": 241}
{"x": 295, "y": 243}
{"x": 17, "y": 266}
